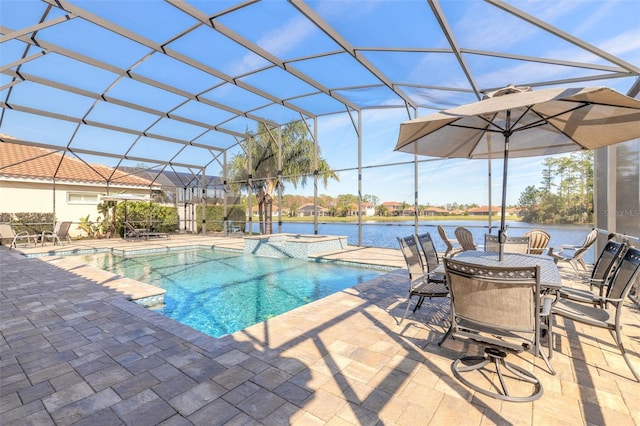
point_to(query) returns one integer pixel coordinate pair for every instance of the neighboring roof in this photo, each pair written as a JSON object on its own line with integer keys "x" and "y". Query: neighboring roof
{"x": 172, "y": 178}
{"x": 30, "y": 162}
{"x": 435, "y": 209}
{"x": 309, "y": 207}
{"x": 484, "y": 209}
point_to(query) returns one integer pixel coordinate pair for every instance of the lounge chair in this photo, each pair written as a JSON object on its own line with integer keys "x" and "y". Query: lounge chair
{"x": 60, "y": 231}
{"x": 451, "y": 250}
{"x": 511, "y": 244}
{"x": 539, "y": 240}
{"x": 420, "y": 283}
{"x": 608, "y": 313}
{"x": 601, "y": 274}
{"x": 576, "y": 258}
{"x": 499, "y": 308}
{"x": 7, "y": 232}
{"x": 132, "y": 232}
{"x": 465, "y": 238}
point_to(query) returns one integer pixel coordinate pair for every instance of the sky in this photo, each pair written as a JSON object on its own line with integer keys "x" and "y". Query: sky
{"x": 611, "y": 25}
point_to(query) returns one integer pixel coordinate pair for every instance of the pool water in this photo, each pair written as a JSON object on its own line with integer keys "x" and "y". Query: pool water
{"x": 220, "y": 293}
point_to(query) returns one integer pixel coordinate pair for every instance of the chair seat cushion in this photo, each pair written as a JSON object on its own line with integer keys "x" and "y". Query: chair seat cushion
{"x": 437, "y": 277}
{"x": 586, "y": 314}
{"x": 430, "y": 289}
{"x": 577, "y": 294}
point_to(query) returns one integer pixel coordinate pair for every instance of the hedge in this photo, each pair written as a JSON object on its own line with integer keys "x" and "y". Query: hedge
{"x": 215, "y": 217}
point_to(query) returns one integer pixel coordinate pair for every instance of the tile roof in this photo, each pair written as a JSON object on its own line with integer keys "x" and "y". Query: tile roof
{"x": 25, "y": 161}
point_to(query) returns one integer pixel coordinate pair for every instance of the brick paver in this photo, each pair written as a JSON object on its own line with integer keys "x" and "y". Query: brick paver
{"x": 74, "y": 351}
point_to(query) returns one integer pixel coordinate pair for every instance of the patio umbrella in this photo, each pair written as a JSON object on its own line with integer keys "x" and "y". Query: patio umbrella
{"x": 532, "y": 123}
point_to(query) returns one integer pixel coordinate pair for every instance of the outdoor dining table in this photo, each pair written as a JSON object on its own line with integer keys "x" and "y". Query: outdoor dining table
{"x": 550, "y": 279}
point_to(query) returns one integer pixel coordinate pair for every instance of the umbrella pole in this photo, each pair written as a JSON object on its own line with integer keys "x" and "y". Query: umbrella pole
{"x": 502, "y": 235}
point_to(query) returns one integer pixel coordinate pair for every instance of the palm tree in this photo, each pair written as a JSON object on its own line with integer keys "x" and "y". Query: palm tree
{"x": 265, "y": 177}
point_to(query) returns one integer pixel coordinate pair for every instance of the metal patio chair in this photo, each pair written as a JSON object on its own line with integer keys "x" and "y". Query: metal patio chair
{"x": 608, "y": 313}
{"x": 431, "y": 261}
{"x": 7, "y": 232}
{"x": 600, "y": 277}
{"x": 60, "y": 231}
{"x": 420, "y": 283}
{"x": 500, "y": 308}
{"x": 511, "y": 244}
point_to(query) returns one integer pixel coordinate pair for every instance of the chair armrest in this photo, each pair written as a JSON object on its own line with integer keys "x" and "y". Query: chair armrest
{"x": 546, "y": 303}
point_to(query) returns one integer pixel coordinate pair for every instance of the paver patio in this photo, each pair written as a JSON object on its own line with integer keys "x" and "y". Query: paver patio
{"x": 74, "y": 351}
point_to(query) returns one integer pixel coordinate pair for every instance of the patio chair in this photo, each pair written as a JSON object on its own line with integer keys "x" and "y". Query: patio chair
{"x": 7, "y": 232}
{"x": 465, "y": 238}
{"x": 539, "y": 240}
{"x": 511, "y": 244}
{"x": 132, "y": 232}
{"x": 501, "y": 309}
{"x": 420, "y": 282}
{"x": 576, "y": 258}
{"x": 600, "y": 277}
{"x": 430, "y": 258}
{"x": 451, "y": 250}
{"x": 607, "y": 315}
{"x": 60, "y": 231}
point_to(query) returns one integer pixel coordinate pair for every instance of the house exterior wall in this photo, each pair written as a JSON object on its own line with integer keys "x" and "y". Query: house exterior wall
{"x": 72, "y": 201}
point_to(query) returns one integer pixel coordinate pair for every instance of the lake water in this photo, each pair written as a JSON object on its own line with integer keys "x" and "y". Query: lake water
{"x": 385, "y": 234}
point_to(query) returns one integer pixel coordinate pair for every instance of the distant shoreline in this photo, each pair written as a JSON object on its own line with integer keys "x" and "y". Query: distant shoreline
{"x": 370, "y": 219}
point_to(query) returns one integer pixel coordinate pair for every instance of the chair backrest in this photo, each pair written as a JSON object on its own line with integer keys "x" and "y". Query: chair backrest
{"x": 511, "y": 244}
{"x": 539, "y": 240}
{"x": 62, "y": 229}
{"x": 505, "y": 298}
{"x": 624, "y": 276}
{"x": 517, "y": 245}
{"x": 446, "y": 241}
{"x": 465, "y": 238}
{"x": 412, "y": 257}
{"x": 431, "y": 260}
{"x": 7, "y": 231}
{"x": 491, "y": 242}
{"x": 586, "y": 245}
{"x": 607, "y": 261}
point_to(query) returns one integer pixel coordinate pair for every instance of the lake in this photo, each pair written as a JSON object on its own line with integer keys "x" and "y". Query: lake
{"x": 385, "y": 234}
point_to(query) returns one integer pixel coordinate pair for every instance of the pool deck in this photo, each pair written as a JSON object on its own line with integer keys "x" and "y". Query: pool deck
{"x": 76, "y": 350}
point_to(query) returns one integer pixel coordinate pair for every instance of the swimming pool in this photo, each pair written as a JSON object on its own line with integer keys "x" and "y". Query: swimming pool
{"x": 220, "y": 293}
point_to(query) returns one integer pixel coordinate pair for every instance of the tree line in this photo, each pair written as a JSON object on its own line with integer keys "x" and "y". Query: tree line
{"x": 272, "y": 157}
{"x": 565, "y": 194}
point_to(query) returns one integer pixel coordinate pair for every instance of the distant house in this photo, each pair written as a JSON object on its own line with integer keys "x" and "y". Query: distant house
{"x": 308, "y": 210}
{"x": 183, "y": 187}
{"x": 409, "y": 211}
{"x": 393, "y": 207}
{"x": 484, "y": 211}
{"x": 27, "y": 186}
{"x": 434, "y": 211}
{"x": 367, "y": 209}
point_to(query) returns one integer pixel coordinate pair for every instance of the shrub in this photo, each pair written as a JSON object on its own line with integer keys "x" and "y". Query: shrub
{"x": 215, "y": 217}
{"x": 163, "y": 218}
